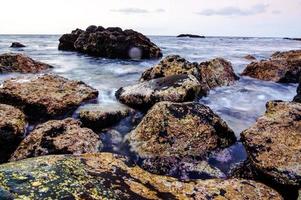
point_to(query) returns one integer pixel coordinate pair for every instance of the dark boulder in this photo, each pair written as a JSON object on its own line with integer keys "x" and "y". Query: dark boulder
{"x": 249, "y": 57}
{"x": 112, "y": 42}
{"x": 17, "y": 45}
{"x": 12, "y": 130}
{"x": 298, "y": 96}
{"x": 11, "y": 62}
{"x": 190, "y": 36}
{"x": 58, "y": 137}
{"x": 45, "y": 96}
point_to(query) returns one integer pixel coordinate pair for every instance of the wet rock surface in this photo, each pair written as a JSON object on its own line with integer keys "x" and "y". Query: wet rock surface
{"x": 17, "y": 45}
{"x": 58, "y": 137}
{"x": 282, "y": 67}
{"x": 108, "y": 176}
{"x": 45, "y": 96}
{"x": 190, "y": 36}
{"x": 11, "y": 62}
{"x": 98, "y": 116}
{"x": 273, "y": 143}
{"x": 12, "y": 130}
{"x": 249, "y": 57}
{"x": 176, "y": 88}
{"x": 179, "y": 129}
{"x": 112, "y": 42}
{"x": 298, "y": 96}
{"x": 213, "y": 73}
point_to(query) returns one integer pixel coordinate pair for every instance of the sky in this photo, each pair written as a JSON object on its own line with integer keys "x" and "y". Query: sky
{"x": 266, "y": 18}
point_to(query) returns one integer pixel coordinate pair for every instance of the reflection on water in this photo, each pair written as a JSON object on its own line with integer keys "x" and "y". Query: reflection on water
{"x": 239, "y": 105}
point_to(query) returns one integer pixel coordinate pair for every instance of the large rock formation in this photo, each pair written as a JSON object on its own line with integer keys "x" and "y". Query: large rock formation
{"x": 176, "y": 88}
{"x": 108, "y": 176}
{"x": 11, "y": 62}
{"x": 111, "y": 43}
{"x": 282, "y": 67}
{"x": 273, "y": 143}
{"x": 12, "y": 129}
{"x": 102, "y": 116}
{"x": 45, "y": 96}
{"x": 180, "y": 129}
{"x": 58, "y": 137}
{"x": 213, "y": 73}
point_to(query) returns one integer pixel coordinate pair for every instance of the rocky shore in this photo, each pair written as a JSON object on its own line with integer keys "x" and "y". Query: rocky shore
{"x": 54, "y": 147}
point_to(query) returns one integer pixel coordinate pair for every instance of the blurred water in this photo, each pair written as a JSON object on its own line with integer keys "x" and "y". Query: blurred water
{"x": 239, "y": 105}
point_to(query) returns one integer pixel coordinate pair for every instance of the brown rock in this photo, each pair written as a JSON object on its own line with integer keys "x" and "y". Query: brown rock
{"x": 112, "y": 42}
{"x": 274, "y": 143}
{"x": 176, "y": 88}
{"x": 180, "y": 129}
{"x": 282, "y": 67}
{"x": 11, "y": 62}
{"x": 102, "y": 116}
{"x": 109, "y": 176}
{"x": 249, "y": 57}
{"x": 45, "y": 96}
{"x": 58, "y": 137}
{"x": 12, "y": 130}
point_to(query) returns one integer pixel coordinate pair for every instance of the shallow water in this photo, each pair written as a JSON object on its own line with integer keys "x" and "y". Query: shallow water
{"x": 239, "y": 105}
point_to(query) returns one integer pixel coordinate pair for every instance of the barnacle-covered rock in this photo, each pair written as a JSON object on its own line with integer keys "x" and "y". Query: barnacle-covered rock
{"x": 180, "y": 129}
{"x": 12, "y": 130}
{"x": 45, "y": 96}
{"x": 58, "y": 137}
{"x": 273, "y": 143}
{"x": 109, "y": 176}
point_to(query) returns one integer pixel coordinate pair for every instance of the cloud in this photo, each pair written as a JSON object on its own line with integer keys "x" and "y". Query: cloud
{"x": 235, "y": 11}
{"x": 137, "y": 11}
{"x": 276, "y": 12}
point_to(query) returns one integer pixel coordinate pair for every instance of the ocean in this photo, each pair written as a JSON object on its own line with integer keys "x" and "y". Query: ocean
{"x": 239, "y": 105}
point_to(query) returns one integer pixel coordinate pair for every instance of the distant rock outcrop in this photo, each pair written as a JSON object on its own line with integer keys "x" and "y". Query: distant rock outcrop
{"x": 17, "y": 45}
{"x": 297, "y": 39}
{"x": 191, "y": 36}
{"x": 112, "y": 42}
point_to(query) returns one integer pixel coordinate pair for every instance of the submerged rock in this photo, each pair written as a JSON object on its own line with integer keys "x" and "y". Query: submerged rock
{"x": 182, "y": 168}
{"x": 103, "y": 116}
{"x": 45, "y": 96}
{"x": 11, "y": 62}
{"x": 282, "y": 67}
{"x": 273, "y": 143}
{"x": 180, "y": 129}
{"x": 112, "y": 42}
{"x": 249, "y": 57}
{"x": 109, "y": 176}
{"x": 12, "y": 130}
{"x": 213, "y": 73}
{"x": 191, "y": 36}
{"x": 58, "y": 137}
{"x": 17, "y": 45}
{"x": 176, "y": 88}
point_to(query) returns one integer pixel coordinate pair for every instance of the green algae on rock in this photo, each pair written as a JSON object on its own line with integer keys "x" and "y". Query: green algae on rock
{"x": 12, "y": 130}
{"x": 273, "y": 143}
{"x": 109, "y": 176}
{"x": 176, "y": 88}
{"x": 103, "y": 116}
{"x": 180, "y": 129}
{"x": 45, "y": 96}
{"x": 58, "y": 137}
{"x": 12, "y": 62}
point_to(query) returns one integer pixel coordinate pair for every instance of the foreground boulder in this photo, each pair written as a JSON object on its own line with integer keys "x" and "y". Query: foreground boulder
{"x": 11, "y": 62}
{"x": 273, "y": 144}
{"x": 45, "y": 96}
{"x": 12, "y": 130}
{"x": 110, "y": 43}
{"x": 176, "y": 88}
{"x": 180, "y": 129}
{"x": 103, "y": 116}
{"x": 109, "y": 176}
{"x": 58, "y": 137}
{"x": 17, "y": 45}
{"x": 282, "y": 67}
{"x": 213, "y": 73}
